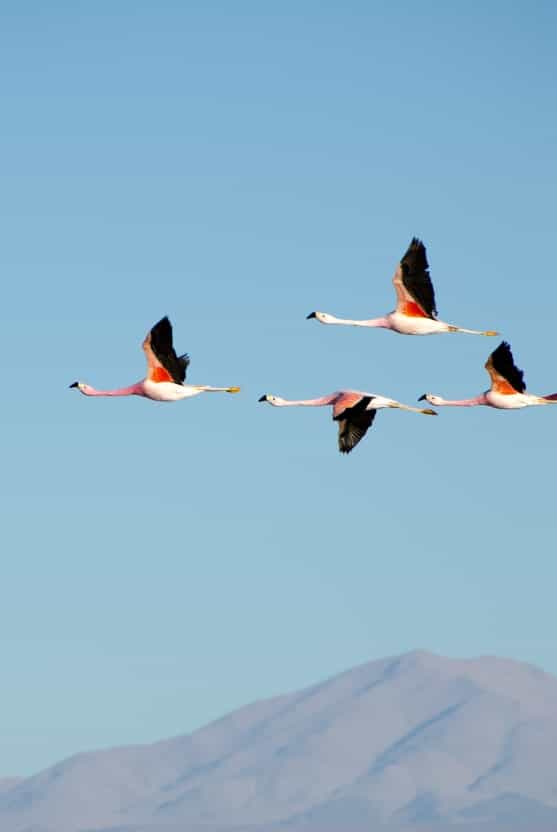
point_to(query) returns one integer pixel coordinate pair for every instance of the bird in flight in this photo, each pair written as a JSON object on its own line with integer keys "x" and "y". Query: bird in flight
{"x": 415, "y": 313}
{"x": 166, "y": 372}
{"x": 354, "y": 412}
{"x": 507, "y": 391}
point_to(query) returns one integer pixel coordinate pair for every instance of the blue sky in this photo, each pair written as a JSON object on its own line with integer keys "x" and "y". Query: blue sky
{"x": 236, "y": 167}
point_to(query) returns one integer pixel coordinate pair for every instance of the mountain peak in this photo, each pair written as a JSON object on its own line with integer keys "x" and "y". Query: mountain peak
{"x": 410, "y": 739}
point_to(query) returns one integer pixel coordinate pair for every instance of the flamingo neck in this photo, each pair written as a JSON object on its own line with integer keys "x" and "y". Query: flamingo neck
{"x": 371, "y": 322}
{"x": 477, "y": 400}
{"x": 321, "y": 402}
{"x": 132, "y": 390}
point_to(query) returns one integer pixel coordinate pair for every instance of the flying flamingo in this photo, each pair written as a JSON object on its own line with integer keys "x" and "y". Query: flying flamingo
{"x": 354, "y": 412}
{"x": 415, "y": 312}
{"x": 166, "y": 372}
{"x": 507, "y": 391}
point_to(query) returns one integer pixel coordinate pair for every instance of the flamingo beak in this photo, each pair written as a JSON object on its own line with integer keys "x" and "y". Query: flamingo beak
{"x": 263, "y": 398}
{"x": 422, "y": 398}
{"x": 311, "y": 315}
{"x": 75, "y": 384}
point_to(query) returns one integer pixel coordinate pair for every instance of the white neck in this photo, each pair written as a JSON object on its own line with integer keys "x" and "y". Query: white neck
{"x": 321, "y": 402}
{"x": 371, "y": 322}
{"x": 477, "y": 400}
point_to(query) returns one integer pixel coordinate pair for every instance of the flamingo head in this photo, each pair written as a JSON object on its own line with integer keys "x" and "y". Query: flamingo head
{"x": 269, "y": 398}
{"x": 322, "y": 317}
{"x": 86, "y": 389}
{"x": 429, "y": 397}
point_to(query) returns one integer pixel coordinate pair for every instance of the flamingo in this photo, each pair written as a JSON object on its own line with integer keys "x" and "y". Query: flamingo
{"x": 354, "y": 411}
{"x": 415, "y": 313}
{"x": 507, "y": 391}
{"x": 166, "y": 372}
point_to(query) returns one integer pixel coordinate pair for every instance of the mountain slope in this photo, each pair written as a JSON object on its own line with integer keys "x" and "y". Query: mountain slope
{"x": 412, "y": 740}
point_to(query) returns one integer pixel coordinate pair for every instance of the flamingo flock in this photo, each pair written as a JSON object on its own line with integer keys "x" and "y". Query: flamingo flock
{"x": 353, "y": 410}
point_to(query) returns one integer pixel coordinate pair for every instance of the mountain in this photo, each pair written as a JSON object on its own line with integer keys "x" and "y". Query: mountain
{"x": 7, "y": 783}
{"x": 413, "y": 742}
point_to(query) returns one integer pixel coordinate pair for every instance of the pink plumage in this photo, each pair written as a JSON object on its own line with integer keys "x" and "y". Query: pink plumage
{"x": 416, "y": 312}
{"x": 507, "y": 390}
{"x": 353, "y": 410}
{"x": 166, "y": 372}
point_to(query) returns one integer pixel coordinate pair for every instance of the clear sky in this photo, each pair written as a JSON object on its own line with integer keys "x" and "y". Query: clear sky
{"x": 236, "y": 166}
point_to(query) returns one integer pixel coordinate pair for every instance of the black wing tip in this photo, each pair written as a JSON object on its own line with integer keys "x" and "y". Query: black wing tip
{"x": 416, "y": 242}
{"x": 357, "y": 421}
{"x": 75, "y": 384}
{"x": 162, "y": 346}
{"x": 416, "y": 278}
{"x": 417, "y": 248}
{"x": 164, "y": 321}
{"x": 503, "y": 362}
{"x": 503, "y": 351}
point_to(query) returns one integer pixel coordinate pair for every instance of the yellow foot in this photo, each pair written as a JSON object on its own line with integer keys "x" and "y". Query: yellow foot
{"x": 233, "y": 390}
{"x": 491, "y": 332}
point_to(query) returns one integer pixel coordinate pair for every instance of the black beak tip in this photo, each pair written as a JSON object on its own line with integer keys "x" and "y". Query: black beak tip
{"x": 263, "y": 398}
{"x": 311, "y": 315}
{"x": 75, "y": 384}
{"x": 421, "y": 399}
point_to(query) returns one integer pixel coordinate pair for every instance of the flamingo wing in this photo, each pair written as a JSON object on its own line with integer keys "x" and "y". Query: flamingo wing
{"x": 354, "y": 420}
{"x": 162, "y": 362}
{"x": 505, "y": 376}
{"x": 414, "y": 290}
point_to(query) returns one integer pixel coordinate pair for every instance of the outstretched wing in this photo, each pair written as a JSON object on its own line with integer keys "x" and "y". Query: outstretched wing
{"x": 353, "y": 423}
{"x": 162, "y": 362}
{"x": 505, "y": 376}
{"x": 413, "y": 286}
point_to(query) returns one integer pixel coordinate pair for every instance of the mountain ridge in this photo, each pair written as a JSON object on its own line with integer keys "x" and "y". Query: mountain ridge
{"x": 401, "y": 742}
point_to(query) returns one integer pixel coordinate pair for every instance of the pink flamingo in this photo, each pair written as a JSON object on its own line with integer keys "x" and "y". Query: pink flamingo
{"x": 415, "y": 312}
{"x": 354, "y": 412}
{"x": 507, "y": 391}
{"x": 166, "y": 372}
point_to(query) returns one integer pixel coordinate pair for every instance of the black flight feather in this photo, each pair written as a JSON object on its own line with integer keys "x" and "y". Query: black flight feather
{"x": 503, "y": 363}
{"x": 353, "y": 424}
{"x": 416, "y": 279}
{"x": 161, "y": 344}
